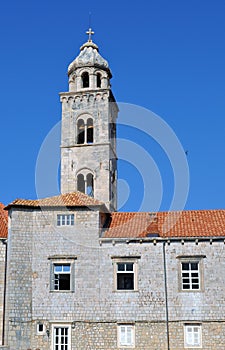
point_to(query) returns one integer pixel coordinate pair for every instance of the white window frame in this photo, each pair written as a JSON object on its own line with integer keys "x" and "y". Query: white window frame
{"x": 66, "y": 270}
{"x": 126, "y": 343}
{"x": 126, "y": 260}
{"x": 191, "y": 275}
{"x": 65, "y": 219}
{"x": 190, "y": 333}
{"x": 44, "y": 329}
{"x": 60, "y": 326}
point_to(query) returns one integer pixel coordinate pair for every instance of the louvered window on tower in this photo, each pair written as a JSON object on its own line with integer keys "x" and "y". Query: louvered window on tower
{"x": 80, "y": 183}
{"x": 99, "y": 82}
{"x": 85, "y": 80}
{"x": 85, "y": 184}
{"x": 90, "y": 130}
{"x": 85, "y": 131}
{"x": 80, "y": 131}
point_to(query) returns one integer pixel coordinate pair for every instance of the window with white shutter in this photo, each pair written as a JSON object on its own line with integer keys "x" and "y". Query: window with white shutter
{"x": 192, "y": 336}
{"x": 126, "y": 335}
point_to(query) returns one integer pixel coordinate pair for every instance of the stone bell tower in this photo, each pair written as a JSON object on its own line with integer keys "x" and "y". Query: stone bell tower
{"x": 88, "y": 141}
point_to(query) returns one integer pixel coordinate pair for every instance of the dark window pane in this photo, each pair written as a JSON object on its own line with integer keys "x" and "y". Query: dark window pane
{"x": 195, "y": 280}
{"x": 125, "y": 281}
{"x": 129, "y": 267}
{"x": 195, "y": 286}
{"x": 186, "y": 286}
{"x": 80, "y": 183}
{"x": 185, "y": 274}
{"x": 186, "y": 280}
{"x": 90, "y": 129}
{"x": 80, "y": 131}
{"x": 194, "y": 266}
{"x": 98, "y": 80}
{"x": 85, "y": 80}
{"x": 121, "y": 267}
{"x": 194, "y": 274}
{"x": 185, "y": 266}
{"x": 64, "y": 282}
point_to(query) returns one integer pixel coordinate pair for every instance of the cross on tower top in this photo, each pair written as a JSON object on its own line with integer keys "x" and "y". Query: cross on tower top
{"x": 90, "y": 33}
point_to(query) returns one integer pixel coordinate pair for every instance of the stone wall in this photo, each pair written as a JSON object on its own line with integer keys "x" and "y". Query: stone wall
{"x": 94, "y": 308}
{"x": 100, "y": 106}
{"x": 2, "y": 284}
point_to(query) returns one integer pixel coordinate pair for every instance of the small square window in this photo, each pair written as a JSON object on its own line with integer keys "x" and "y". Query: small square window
{"x": 126, "y": 335}
{"x": 192, "y": 336}
{"x": 65, "y": 219}
{"x": 40, "y": 329}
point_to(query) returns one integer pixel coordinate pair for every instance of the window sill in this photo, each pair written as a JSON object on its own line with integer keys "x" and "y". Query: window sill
{"x": 61, "y": 291}
{"x": 125, "y": 291}
{"x": 191, "y": 291}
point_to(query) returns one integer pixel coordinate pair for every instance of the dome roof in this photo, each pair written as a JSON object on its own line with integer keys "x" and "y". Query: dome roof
{"x": 89, "y": 56}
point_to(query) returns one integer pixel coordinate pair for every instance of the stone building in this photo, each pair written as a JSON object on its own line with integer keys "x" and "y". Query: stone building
{"x": 82, "y": 276}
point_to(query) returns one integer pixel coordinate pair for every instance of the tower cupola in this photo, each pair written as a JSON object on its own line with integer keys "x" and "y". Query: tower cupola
{"x": 89, "y": 70}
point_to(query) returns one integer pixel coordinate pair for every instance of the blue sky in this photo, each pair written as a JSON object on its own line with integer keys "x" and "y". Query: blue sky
{"x": 166, "y": 56}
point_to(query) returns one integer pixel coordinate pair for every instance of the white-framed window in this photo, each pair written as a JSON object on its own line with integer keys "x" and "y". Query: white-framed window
{"x": 125, "y": 274}
{"x": 192, "y": 336}
{"x": 190, "y": 275}
{"x": 65, "y": 219}
{"x": 62, "y": 271}
{"x": 61, "y": 337}
{"x": 126, "y": 335}
{"x": 41, "y": 329}
{"x": 191, "y": 271}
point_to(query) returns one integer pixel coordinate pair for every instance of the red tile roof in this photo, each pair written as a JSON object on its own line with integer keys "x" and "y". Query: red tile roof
{"x": 3, "y": 222}
{"x": 193, "y": 223}
{"x": 74, "y": 199}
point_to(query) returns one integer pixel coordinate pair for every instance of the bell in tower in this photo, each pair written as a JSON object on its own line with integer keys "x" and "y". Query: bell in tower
{"x": 88, "y": 141}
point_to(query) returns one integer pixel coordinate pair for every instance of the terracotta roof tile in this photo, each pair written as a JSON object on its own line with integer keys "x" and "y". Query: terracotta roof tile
{"x": 128, "y": 224}
{"x": 74, "y": 199}
{"x": 193, "y": 223}
{"x": 3, "y": 222}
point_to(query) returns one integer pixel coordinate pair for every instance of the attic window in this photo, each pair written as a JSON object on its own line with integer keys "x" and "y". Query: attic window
{"x": 65, "y": 219}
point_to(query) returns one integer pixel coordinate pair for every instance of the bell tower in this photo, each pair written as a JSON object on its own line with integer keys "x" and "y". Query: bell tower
{"x": 88, "y": 139}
